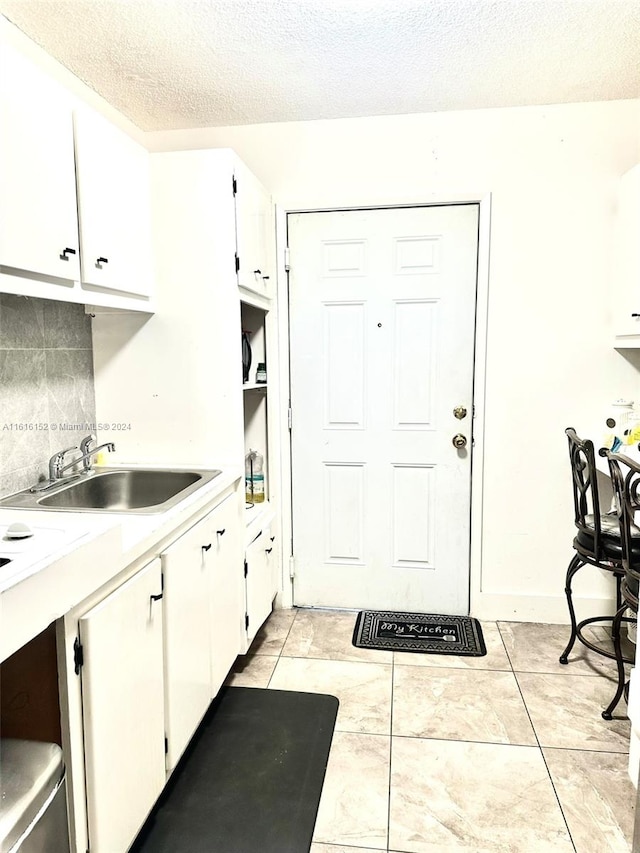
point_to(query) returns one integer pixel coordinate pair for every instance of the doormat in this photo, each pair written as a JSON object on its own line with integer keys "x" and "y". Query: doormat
{"x": 251, "y": 779}
{"x": 419, "y": 632}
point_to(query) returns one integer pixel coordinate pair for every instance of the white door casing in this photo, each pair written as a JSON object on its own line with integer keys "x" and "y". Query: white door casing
{"x": 382, "y": 321}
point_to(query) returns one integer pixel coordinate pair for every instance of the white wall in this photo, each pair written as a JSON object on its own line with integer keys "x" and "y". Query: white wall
{"x": 552, "y": 173}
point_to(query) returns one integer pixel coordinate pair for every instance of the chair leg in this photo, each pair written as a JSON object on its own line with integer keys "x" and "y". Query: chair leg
{"x": 617, "y": 645}
{"x": 575, "y": 564}
{"x": 618, "y": 592}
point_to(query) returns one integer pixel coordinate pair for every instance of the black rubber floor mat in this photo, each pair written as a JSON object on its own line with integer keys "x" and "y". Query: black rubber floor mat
{"x": 419, "y": 632}
{"x": 250, "y": 781}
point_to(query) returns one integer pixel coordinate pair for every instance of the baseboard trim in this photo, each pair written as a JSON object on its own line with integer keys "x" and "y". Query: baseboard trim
{"x": 549, "y": 609}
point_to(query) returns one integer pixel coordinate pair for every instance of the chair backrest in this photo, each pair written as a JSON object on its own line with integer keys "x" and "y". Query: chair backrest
{"x": 585, "y": 487}
{"x": 625, "y": 479}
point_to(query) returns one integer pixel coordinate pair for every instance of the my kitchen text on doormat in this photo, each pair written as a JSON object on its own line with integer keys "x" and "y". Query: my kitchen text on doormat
{"x": 419, "y": 632}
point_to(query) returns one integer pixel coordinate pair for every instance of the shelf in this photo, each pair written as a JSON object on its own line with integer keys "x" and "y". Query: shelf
{"x": 257, "y": 300}
{"x": 254, "y": 386}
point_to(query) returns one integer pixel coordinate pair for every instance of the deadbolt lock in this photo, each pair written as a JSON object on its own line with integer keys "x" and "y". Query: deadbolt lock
{"x": 459, "y": 440}
{"x": 460, "y": 412}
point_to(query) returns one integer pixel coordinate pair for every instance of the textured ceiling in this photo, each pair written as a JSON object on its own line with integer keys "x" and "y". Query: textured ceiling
{"x": 168, "y": 64}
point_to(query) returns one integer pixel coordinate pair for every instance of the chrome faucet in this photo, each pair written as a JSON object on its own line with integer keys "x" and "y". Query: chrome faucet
{"x": 86, "y": 456}
{"x": 57, "y": 468}
{"x": 55, "y": 463}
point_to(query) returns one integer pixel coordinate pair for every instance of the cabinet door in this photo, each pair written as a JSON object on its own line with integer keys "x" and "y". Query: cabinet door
{"x": 258, "y": 583}
{"x": 122, "y": 698}
{"x": 186, "y": 573}
{"x": 114, "y": 206}
{"x": 273, "y": 562}
{"x": 255, "y": 234}
{"x": 226, "y": 589}
{"x": 38, "y": 217}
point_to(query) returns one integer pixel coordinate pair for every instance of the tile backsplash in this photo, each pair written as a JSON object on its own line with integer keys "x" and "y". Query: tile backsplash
{"x": 46, "y": 385}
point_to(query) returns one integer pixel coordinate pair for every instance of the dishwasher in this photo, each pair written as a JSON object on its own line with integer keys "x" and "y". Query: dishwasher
{"x": 33, "y": 802}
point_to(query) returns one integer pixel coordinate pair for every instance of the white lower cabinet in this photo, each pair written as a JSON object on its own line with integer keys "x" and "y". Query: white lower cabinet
{"x": 187, "y": 656}
{"x": 202, "y": 616}
{"x": 123, "y": 717}
{"x": 259, "y": 586}
{"x": 152, "y": 655}
{"x": 226, "y": 589}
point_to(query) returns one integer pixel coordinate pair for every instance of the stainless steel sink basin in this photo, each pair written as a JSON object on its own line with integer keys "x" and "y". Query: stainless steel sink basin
{"x": 123, "y": 490}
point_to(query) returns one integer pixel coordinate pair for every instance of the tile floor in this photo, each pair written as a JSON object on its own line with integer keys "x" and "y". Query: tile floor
{"x": 505, "y": 753}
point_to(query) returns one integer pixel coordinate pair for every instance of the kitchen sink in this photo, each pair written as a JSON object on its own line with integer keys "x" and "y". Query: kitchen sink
{"x": 123, "y": 490}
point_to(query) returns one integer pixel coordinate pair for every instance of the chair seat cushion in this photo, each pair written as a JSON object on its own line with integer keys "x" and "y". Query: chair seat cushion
{"x": 610, "y": 547}
{"x": 610, "y": 525}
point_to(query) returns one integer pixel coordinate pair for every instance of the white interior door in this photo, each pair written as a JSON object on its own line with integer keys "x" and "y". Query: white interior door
{"x": 382, "y": 316}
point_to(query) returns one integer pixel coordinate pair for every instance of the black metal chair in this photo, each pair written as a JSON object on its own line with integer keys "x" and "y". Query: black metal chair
{"x": 597, "y": 542}
{"x": 625, "y": 478}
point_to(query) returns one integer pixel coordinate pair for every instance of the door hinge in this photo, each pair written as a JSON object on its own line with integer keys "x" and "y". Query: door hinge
{"x": 237, "y": 263}
{"x": 289, "y": 418}
{"x": 246, "y": 568}
{"x": 246, "y": 621}
{"x": 166, "y": 745}
{"x": 292, "y": 567}
{"x": 78, "y": 655}
{"x": 234, "y": 185}
{"x": 287, "y": 259}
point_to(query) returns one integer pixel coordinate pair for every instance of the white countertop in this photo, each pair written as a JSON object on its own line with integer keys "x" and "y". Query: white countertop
{"x": 52, "y": 537}
{"x": 72, "y": 554}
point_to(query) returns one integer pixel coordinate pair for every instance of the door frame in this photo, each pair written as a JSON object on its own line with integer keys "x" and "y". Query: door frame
{"x": 483, "y": 200}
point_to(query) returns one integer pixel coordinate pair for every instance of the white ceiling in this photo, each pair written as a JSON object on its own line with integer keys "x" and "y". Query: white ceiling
{"x": 169, "y": 64}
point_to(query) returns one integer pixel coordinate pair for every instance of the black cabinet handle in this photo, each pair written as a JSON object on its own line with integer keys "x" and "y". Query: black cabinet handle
{"x": 65, "y": 254}
{"x": 635, "y": 315}
{"x": 257, "y": 272}
{"x": 101, "y": 261}
{"x": 156, "y": 597}
{"x": 206, "y": 547}
{"x": 273, "y": 538}
{"x": 220, "y": 532}
{"x": 268, "y": 550}
{"x": 265, "y": 278}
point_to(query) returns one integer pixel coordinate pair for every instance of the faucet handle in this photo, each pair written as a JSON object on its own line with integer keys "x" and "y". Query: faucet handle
{"x": 62, "y": 453}
{"x": 86, "y": 442}
{"x": 56, "y": 460}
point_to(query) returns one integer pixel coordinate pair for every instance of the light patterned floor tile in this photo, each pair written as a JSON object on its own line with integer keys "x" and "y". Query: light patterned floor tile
{"x": 252, "y": 671}
{"x": 332, "y": 848}
{"x": 363, "y": 689}
{"x": 596, "y": 796}
{"x": 566, "y": 712}
{"x": 272, "y": 635}
{"x": 460, "y": 704}
{"x": 328, "y": 634}
{"x": 533, "y": 647}
{"x": 354, "y": 804}
{"x": 453, "y": 797}
{"x": 495, "y": 658}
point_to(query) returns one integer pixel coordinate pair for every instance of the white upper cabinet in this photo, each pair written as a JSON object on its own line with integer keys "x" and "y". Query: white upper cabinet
{"x": 254, "y": 232}
{"x": 38, "y": 219}
{"x": 114, "y": 207}
{"x": 626, "y": 262}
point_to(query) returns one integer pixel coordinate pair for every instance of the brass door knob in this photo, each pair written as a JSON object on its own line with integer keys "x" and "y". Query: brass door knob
{"x": 459, "y": 440}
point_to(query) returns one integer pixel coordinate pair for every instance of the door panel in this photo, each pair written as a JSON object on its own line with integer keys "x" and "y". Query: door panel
{"x": 382, "y": 316}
